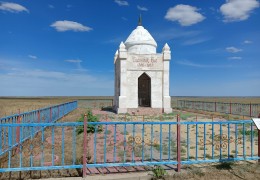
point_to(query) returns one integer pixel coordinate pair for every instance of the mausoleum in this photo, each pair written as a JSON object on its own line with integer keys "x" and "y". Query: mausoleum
{"x": 142, "y": 74}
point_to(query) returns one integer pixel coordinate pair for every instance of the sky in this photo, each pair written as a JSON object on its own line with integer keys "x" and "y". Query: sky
{"x": 66, "y": 48}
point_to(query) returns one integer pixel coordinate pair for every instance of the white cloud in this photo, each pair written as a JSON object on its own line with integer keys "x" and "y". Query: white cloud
{"x": 238, "y": 10}
{"x": 37, "y": 82}
{"x": 186, "y": 15}
{"x": 77, "y": 62}
{"x": 121, "y": 2}
{"x": 74, "y": 60}
{"x": 124, "y": 18}
{"x": 142, "y": 8}
{"x": 65, "y": 25}
{"x": 19, "y": 79}
{"x": 235, "y": 58}
{"x": 32, "y": 56}
{"x": 51, "y": 6}
{"x": 233, "y": 49}
{"x": 195, "y": 41}
{"x": 247, "y": 42}
{"x": 12, "y": 7}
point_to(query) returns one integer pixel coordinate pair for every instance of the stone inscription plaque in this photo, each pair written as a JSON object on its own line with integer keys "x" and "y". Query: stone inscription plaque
{"x": 153, "y": 62}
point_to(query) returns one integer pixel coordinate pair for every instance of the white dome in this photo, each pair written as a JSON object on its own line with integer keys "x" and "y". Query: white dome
{"x": 140, "y": 41}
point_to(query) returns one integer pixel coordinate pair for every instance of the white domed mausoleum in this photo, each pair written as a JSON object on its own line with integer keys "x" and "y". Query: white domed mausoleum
{"x": 142, "y": 75}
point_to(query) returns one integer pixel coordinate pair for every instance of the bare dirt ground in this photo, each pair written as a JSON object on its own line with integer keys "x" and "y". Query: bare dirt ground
{"x": 245, "y": 170}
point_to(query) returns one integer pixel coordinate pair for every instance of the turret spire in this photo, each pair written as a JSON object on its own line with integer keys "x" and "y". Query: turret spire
{"x": 140, "y": 20}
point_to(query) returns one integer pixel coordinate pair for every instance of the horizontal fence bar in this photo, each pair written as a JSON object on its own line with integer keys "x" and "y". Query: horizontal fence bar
{"x": 119, "y": 122}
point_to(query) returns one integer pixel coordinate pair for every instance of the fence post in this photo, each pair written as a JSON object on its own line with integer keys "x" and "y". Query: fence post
{"x": 215, "y": 106}
{"x": 259, "y": 142}
{"x": 58, "y": 111}
{"x": 63, "y": 110}
{"x": 50, "y": 115}
{"x": 259, "y": 145}
{"x": 85, "y": 147}
{"x": 230, "y": 108}
{"x": 250, "y": 109}
{"x": 39, "y": 116}
{"x": 178, "y": 145}
{"x": 18, "y": 131}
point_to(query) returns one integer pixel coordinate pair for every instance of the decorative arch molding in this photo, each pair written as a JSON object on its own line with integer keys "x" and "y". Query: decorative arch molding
{"x": 140, "y": 73}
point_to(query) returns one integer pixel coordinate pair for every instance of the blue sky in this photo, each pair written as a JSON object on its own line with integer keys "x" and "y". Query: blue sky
{"x": 51, "y": 48}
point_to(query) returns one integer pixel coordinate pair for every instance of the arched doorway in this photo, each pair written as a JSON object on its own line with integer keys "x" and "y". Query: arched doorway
{"x": 144, "y": 90}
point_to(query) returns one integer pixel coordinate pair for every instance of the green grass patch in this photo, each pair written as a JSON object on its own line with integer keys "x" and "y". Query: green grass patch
{"x": 90, "y": 128}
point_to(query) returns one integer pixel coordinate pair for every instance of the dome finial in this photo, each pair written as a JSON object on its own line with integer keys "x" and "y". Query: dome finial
{"x": 140, "y": 20}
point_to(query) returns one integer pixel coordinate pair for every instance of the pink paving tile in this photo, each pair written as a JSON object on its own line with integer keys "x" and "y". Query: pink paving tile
{"x": 139, "y": 168}
{"x": 112, "y": 170}
{"x": 93, "y": 171}
{"x": 130, "y": 169}
{"x": 121, "y": 169}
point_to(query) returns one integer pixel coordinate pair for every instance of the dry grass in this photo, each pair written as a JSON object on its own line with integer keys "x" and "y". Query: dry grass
{"x": 11, "y": 105}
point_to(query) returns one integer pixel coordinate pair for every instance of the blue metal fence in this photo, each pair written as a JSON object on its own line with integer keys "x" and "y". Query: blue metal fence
{"x": 11, "y": 137}
{"x": 110, "y": 144}
{"x": 251, "y": 110}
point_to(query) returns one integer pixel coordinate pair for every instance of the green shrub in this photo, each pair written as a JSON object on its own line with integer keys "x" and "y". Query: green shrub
{"x": 158, "y": 172}
{"x": 183, "y": 150}
{"x": 225, "y": 165}
{"x": 90, "y": 127}
{"x": 208, "y": 156}
{"x": 156, "y": 146}
{"x": 248, "y": 132}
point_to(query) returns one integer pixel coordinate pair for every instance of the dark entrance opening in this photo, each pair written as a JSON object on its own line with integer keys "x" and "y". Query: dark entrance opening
{"x": 144, "y": 90}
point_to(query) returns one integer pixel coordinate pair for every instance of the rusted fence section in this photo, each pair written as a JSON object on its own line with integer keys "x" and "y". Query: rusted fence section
{"x": 251, "y": 110}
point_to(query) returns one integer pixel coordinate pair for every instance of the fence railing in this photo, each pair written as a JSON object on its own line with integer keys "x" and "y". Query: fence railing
{"x": 109, "y": 144}
{"x": 251, "y": 110}
{"x": 11, "y": 137}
